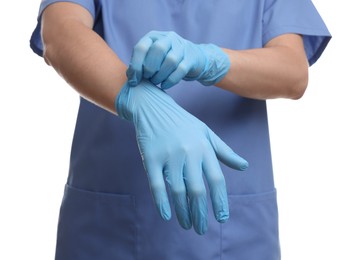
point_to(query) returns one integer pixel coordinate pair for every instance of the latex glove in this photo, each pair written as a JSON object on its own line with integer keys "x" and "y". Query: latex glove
{"x": 178, "y": 148}
{"x": 167, "y": 58}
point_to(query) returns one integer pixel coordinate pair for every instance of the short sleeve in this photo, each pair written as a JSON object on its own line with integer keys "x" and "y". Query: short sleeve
{"x": 36, "y": 43}
{"x": 296, "y": 16}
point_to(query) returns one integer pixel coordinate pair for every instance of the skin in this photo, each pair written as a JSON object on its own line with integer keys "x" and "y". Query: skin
{"x": 76, "y": 52}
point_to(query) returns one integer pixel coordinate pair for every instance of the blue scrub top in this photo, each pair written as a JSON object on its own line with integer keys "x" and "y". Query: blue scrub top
{"x": 107, "y": 210}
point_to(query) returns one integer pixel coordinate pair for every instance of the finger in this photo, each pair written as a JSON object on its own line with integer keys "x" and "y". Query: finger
{"x": 155, "y": 56}
{"x": 169, "y": 65}
{"x": 174, "y": 177}
{"x": 135, "y": 69}
{"x": 225, "y": 154}
{"x": 196, "y": 192}
{"x": 158, "y": 188}
{"x": 217, "y": 186}
{"x": 177, "y": 75}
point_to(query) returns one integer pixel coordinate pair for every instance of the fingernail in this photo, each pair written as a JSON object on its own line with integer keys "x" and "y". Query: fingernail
{"x": 165, "y": 212}
{"x": 202, "y": 228}
{"x": 185, "y": 221}
{"x": 165, "y": 86}
{"x": 129, "y": 73}
{"x": 186, "y": 224}
{"x": 244, "y": 165}
{"x": 223, "y": 217}
{"x": 131, "y": 83}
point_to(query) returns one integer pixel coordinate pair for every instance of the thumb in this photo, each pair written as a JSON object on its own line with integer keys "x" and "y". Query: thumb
{"x": 225, "y": 154}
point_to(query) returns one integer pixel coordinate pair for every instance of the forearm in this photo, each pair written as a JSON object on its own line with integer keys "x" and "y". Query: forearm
{"x": 275, "y": 71}
{"x": 80, "y": 56}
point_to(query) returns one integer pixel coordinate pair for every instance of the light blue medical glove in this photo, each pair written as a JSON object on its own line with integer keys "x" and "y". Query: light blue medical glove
{"x": 178, "y": 148}
{"x": 166, "y": 58}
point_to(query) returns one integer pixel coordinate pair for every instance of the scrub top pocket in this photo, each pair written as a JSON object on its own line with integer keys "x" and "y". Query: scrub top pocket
{"x": 95, "y": 225}
{"x": 251, "y": 233}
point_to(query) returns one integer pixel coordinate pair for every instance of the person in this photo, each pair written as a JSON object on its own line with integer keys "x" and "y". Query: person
{"x": 171, "y": 88}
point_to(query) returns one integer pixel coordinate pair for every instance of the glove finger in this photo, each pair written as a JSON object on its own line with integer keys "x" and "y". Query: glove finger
{"x": 196, "y": 192}
{"x": 216, "y": 182}
{"x": 177, "y": 75}
{"x": 169, "y": 65}
{"x": 225, "y": 154}
{"x": 174, "y": 177}
{"x": 158, "y": 188}
{"x": 135, "y": 69}
{"x": 155, "y": 56}
{"x": 155, "y": 35}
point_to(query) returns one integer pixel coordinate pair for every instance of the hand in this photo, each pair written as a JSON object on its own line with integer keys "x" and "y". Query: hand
{"x": 177, "y": 147}
{"x": 166, "y": 58}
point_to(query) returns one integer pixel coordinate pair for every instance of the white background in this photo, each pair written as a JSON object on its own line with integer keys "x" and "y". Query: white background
{"x": 316, "y": 143}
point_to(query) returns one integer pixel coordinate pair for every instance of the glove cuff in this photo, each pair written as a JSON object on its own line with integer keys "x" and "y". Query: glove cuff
{"x": 121, "y": 102}
{"x": 218, "y": 65}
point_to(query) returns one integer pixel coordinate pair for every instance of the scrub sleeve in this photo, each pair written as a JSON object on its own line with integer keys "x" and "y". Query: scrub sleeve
{"x": 107, "y": 210}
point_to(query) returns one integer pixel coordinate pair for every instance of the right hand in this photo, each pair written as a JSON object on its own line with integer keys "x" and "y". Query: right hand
{"x": 177, "y": 147}
{"x": 166, "y": 58}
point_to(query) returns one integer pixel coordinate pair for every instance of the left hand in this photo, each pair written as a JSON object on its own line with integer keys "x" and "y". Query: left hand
{"x": 179, "y": 149}
{"x": 166, "y": 58}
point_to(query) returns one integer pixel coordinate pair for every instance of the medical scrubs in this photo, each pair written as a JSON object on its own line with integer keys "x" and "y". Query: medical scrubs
{"x": 107, "y": 212}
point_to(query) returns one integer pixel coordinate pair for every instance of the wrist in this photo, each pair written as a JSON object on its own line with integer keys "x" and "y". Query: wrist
{"x": 217, "y": 66}
{"x": 133, "y": 101}
{"x": 121, "y": 101}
